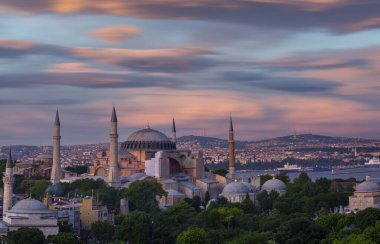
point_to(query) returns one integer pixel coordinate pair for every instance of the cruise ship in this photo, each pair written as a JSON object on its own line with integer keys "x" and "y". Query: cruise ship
{"x": 373, "y": 163}
{"x": 290, "y": 168}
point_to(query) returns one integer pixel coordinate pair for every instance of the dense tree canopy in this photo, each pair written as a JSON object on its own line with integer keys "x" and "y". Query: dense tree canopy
{"x": 26, "y": 236}
{"x": 142, "y": 195}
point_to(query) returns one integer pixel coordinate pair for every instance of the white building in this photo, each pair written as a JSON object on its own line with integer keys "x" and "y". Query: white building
{"x": 366, "y": 195}
{"x": 30, "y": 213}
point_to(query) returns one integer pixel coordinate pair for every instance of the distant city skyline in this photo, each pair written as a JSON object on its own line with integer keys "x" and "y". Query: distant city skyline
{"x": 277, "y": 67}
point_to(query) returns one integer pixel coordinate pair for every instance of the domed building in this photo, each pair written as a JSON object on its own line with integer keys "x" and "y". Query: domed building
{"x": 237, "y": 191}
{"x": 148, "y": 139}
{"x": 31, "y": 213}
{"x": 274, "y": 185}
{"x": 366, "y": 195}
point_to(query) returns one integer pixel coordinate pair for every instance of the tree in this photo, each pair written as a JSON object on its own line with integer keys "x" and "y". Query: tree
{"x": 221, "y": 172}
{"x": 366, "y": 217}
{"x": 248, "y": 238}
{"x": 26, "y": 235}
{"x": 265, "y": 178}
{"x": 103, "y": 231}
{"x": 38, "y": 188}
{"x": 195, "y": 202}
{"x": 142, "y": 195}
{"x": 207, "y": 197}
{"x": 171, "y": 222}
{"x": 135, "y": 228}
{"x": 193, "y": 236}
{"x": 300, "y": 230}
{"x": 62, "y": 238}
{"x": 248, "y": 206}
{"x": 283, "y": 177}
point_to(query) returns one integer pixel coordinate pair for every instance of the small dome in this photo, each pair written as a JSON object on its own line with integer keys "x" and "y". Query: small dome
{"x": 368, "y": 186}
{"x": 235, "y": 188}
{"x": 148, "y": 139}
{"x": 29, "y": 206}
{"x": 274, "y": 184}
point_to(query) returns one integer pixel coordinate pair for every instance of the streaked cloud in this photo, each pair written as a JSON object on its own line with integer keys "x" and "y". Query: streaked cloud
{"x": 116, "y": 34}
{"x": 295, "y": 14}
{"x": 285, "y": 84}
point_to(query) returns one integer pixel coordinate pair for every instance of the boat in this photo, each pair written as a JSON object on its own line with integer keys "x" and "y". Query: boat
{"x": 373, "y": 163}
{"x": 290, "y": 168}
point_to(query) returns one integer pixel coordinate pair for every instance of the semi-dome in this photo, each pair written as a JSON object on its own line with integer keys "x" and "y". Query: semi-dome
{"x": 235, "y": 188}
{"x": 148, "y": 139}
{"x": 274, "y": 184}
{"x": 368, "y": 186}
{"x": 29, "y": 206}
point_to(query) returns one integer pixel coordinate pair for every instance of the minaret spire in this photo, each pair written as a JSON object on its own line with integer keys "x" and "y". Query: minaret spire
{"x": 113, "y": 170}
{"x": 56, "y": 171}
{"x": 174, "y": 132}
{"x": 57, "y": 122}
{"x": 8, "y": 181}
{"x": 231, "y": 150}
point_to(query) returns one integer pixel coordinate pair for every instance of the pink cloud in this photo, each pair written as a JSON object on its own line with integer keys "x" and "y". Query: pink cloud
{"x": 115, "y": 34}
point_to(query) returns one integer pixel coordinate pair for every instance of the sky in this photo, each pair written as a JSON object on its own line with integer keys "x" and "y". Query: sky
{"x": 278, "y": 67}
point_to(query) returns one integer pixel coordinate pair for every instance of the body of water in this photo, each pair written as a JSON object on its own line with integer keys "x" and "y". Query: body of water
{"x": 358, "y": 173}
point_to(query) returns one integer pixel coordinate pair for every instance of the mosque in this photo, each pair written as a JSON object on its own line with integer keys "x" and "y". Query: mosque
{"x": 149, "y": 153}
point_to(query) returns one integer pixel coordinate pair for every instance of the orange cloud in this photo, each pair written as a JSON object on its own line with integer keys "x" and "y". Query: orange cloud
{"x": 116, "y": 33}
{"x": 363, "y": 25}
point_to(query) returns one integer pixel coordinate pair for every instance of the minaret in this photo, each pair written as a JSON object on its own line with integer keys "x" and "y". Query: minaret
{"x": 113, "y": 171}
{"x": 231, "y": 150}
{"x": 56, "y": 172}
{"x": 174, "y": 132}
{"x": 8, "y": 180}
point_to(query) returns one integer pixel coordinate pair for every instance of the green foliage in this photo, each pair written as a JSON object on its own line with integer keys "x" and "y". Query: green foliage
{"x": 103, "y": 231}
{"x": 300, "y": 230}
{"x": 193, "y": 236}
{"x": 172, "y": 221}
{"x": 62, "y": 238}
{"x": 38, "y": 188}
{"x": 135, "y": 228}
{"x": 195, "y": 202}
{"x": 26, "y": 236}
{"x": 366, "y": 217}
{"x": 265, "y": 178}
{"x": 248, "y": 238}
{"x": 283, "y": 177}
{"x": 79, "y": 169}
{"x": 221, "y": 172}
{"x": 142, "y": 195}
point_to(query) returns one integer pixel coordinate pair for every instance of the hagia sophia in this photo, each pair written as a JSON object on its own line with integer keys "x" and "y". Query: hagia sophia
{"x": 147, "y": 153}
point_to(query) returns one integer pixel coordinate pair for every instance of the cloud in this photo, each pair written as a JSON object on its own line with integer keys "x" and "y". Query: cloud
{"x": 285, "y": 84}
{"x": 116, "y": 34}
{"x": 49, "y": 102}
{"x": 295, "y": 14}
{"x": 299, "y": 63}
{"x": 87, "y": 80}
{"x": 171, "y": 60}
{"x": 175, "y": 60}
{"x": 10, "y": 48}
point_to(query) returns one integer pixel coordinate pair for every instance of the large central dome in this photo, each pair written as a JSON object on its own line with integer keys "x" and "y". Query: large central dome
{"x": 148, "y": 139}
